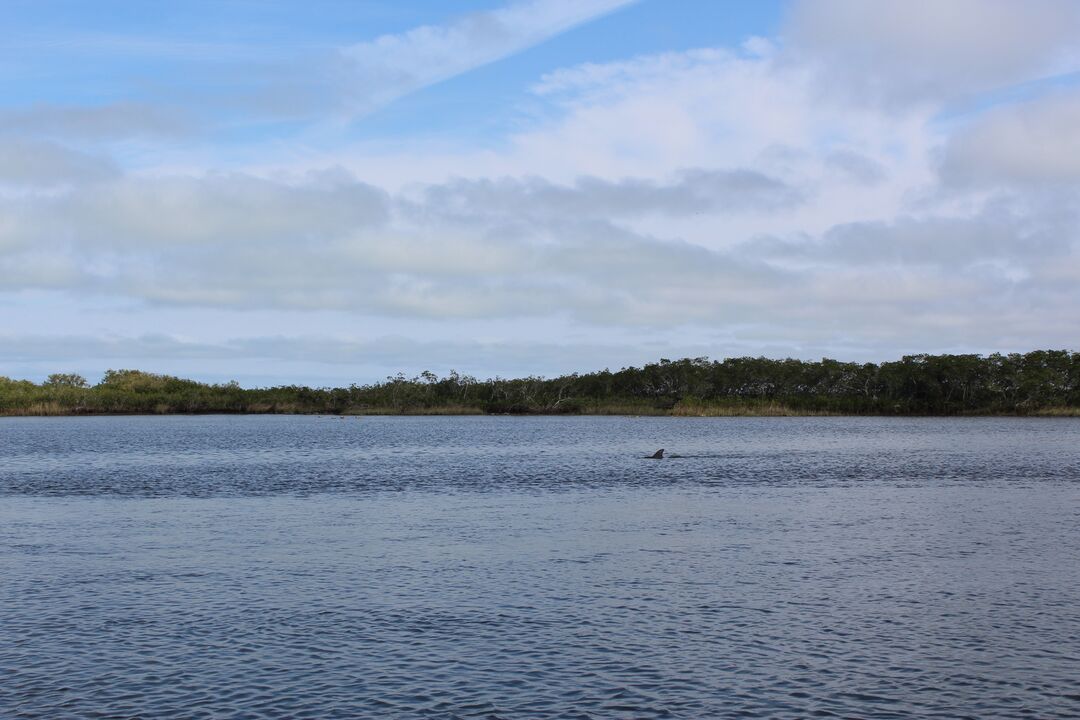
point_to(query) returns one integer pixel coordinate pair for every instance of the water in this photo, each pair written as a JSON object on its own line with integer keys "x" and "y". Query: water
{"x": 243, "y": 567}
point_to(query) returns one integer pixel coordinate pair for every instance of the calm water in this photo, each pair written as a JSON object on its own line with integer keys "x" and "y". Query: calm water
{"x": 243, "y": 567}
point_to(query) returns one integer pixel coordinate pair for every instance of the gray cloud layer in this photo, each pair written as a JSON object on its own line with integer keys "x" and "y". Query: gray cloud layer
{"x": 94, "y": 122}
{"x": 1036, "y": 142}
{"x": 36, "y": 164}
{"x": 927, "y": 50}
{"x": 528, "y": 248}
{"x": 693, "y": 192}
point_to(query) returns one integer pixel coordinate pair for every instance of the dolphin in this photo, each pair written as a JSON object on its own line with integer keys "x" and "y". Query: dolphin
{"x": 658, "y": 455}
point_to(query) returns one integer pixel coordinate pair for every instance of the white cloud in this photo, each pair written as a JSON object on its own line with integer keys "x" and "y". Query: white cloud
{"x": 654, "y": 115}
{"x": 665, "y": 246}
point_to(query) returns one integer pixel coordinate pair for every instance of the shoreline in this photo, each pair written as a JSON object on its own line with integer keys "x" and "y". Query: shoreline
{"x": 1038, "y": 383}
{"x": 676, "y": 413}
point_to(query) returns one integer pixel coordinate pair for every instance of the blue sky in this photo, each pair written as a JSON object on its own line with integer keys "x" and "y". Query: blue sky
{"x": 330, "y": 192}
{"x": 179, "y": 57}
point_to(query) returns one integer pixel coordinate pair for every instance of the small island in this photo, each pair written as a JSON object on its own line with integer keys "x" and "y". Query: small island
{"x": 1042, "y": 382}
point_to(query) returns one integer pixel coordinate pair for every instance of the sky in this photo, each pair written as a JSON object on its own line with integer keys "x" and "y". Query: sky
{"x": 335, "y": 191}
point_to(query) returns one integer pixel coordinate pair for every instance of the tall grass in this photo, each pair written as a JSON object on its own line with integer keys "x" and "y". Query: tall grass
{"x": 764, "y": 408}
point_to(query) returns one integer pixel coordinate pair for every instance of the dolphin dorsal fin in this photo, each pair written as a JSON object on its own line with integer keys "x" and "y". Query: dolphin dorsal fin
{"x": 658, "y": 455}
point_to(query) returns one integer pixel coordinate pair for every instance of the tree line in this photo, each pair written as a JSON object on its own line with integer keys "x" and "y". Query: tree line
{"x": 1039, "y": 382}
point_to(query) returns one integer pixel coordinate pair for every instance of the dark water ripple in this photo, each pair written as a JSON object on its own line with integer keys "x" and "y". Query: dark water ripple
{"x": 273, "y": 455}
{"x": 536, "y": 568}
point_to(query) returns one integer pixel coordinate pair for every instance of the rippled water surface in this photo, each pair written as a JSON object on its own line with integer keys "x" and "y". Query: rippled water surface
{"x": 244, "y": 567}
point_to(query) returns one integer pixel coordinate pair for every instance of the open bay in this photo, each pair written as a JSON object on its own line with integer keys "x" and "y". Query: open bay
{"x": 264, "y": 566}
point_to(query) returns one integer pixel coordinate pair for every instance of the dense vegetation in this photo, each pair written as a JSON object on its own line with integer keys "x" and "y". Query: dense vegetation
{"x": 1041, "y": 382}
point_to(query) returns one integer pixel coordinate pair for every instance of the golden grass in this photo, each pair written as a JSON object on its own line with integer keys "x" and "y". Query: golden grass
{"x": 1058, "y": 412}
{"x": 39, "y": 409}
{"x": 686, "y": 408}
{"x": 754, "y": 409}
{"x": 388, "y": 410}
{"x": 621, "y": 409}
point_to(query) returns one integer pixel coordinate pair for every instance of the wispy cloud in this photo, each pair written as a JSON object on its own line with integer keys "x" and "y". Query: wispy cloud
{"x": 391, "y": 66}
